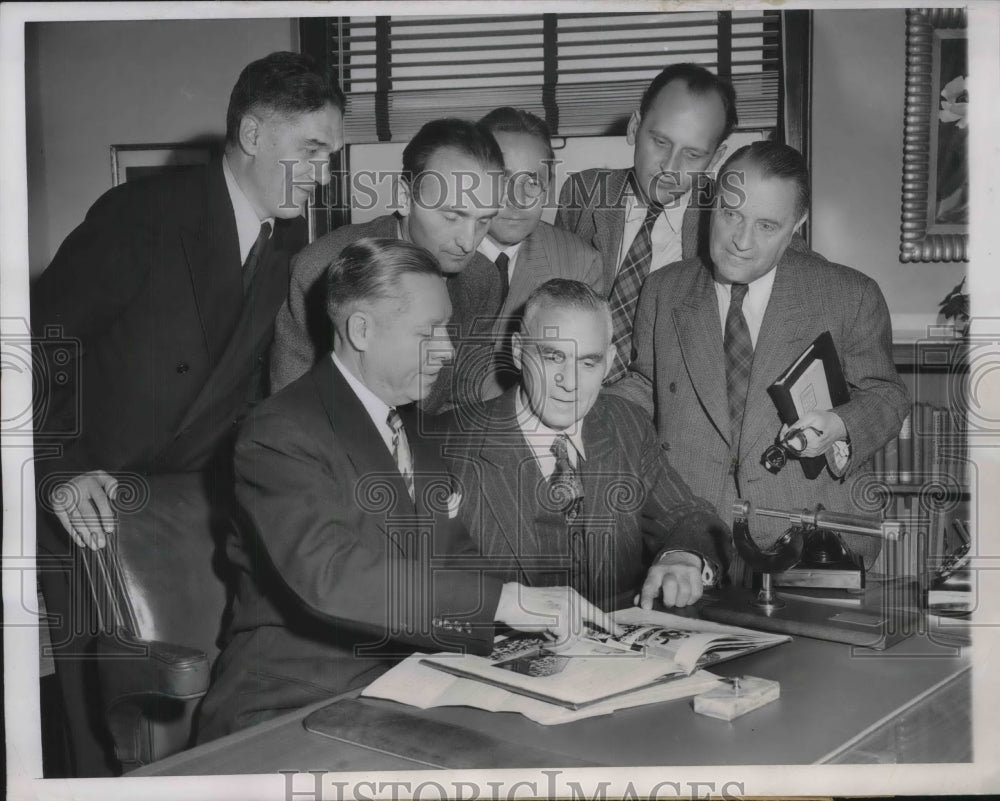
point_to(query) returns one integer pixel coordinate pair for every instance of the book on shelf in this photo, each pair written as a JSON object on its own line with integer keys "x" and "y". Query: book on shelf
{"x": 930, "y": 447}
{"x": 655, "y": 648}
{"x": 904, "y": 450}
{"x": 815, "y": 380}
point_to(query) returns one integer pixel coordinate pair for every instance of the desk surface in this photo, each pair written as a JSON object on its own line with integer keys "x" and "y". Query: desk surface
{"x": 833, "y": 698}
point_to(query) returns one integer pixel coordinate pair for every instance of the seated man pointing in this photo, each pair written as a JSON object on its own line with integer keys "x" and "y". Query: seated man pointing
{"x": 346, "y": 558}
{"x": 562, "y": 485}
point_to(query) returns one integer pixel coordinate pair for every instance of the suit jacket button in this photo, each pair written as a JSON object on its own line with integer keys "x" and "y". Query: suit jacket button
{"x": 182, "y": 368}
{"x": 673, "y": 386}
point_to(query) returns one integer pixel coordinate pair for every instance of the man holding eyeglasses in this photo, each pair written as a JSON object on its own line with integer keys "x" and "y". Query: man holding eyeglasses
{"x": 527, "y": 251}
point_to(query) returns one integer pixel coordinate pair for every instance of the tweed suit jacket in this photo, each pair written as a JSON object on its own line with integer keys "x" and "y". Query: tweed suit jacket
{"x": 635, "y": 504}
{"x": 679, "y": 377}
{"x": 302, "y": 329}
{"x": 339, "y": 571}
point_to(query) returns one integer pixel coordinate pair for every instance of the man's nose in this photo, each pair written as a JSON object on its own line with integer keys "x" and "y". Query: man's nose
{"x": 743, "y": 236}
{"x": 441, "y": 349}
{"x": 465, "y": 238}
{"x": 566, "y": 378}
{"x": 323, "y": 173}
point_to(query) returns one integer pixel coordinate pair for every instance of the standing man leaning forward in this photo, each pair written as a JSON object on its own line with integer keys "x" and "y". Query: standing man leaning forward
{"x": 712, "y": 334}
{"x": 170, "y": 286}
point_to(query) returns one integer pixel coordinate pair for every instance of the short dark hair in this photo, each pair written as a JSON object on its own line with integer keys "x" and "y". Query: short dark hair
{"x": 370, "y": 269}
{"x": 508, "y": 119}
{"x": 565, "y": 293}
{"x": 775, "y": 160}
{"x": 283, "y": 82}
{"x": 699, "y": 81}
{"x": 471, "y": 139}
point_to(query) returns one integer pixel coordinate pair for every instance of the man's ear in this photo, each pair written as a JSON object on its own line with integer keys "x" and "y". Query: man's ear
{"x": 609, "y": 359}
{"x": 249, "y": 134}
{"x": 517, "y": 349}
{"x": 798, "y": 225}
{"x": 633, "y": 126}
{"x": 358, "y": 329}
{"x": 403, "y": 196}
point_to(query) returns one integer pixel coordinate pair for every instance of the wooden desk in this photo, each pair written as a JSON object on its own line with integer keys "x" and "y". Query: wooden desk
{"x": 911, "y": 703}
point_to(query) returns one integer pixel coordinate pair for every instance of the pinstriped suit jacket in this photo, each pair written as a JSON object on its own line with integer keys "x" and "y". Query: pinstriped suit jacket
{"x": 679, "y": 376}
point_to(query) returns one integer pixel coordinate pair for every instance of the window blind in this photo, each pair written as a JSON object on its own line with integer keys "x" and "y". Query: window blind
{"x": 584, "y": 73}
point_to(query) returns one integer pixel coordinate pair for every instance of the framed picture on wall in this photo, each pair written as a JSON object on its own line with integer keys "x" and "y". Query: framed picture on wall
{"x": 129, "y": 162}
{"x": 936, "y": 137}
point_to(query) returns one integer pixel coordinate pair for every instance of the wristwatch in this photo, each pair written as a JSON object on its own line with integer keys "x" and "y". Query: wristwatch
{"x": 709, "y": 570}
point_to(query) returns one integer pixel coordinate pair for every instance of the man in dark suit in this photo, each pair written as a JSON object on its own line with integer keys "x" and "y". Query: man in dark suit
{"x": 712, "y": 334}
{"x": 449, "y": 191}
{"x": 561, "y": 484}
{"x": 347, "y": 557}
{"x": 646, "y": 217}
{"x": 526, "y": 251}
{"x": 170, "y": 287}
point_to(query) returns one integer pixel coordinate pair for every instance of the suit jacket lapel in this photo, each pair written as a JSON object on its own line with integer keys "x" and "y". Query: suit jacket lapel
{"x": 781, "y": 340}
{"x": 532, "y": 269}
{"x": 212, "y": 248}
{"x": 609, "y": 222}
{"x": 699, "y": 334}
{"x": 599, "y": 442}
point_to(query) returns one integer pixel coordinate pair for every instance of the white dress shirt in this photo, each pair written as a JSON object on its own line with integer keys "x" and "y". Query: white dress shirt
{"x": 377, "y": 409}
{"x": 491, "y": 250}
{"x": 247, "y": 222}
{"x": 666, "y": 234}
{"x": 540, "y": 437}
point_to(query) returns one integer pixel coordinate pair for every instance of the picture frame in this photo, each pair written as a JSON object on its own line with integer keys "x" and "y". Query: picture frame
{"x": 935, "y": 217}
{"x": 129, "y": 162}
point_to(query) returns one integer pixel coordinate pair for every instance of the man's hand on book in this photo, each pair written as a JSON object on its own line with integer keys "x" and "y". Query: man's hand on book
{"x": 675, "y": 577}
{"x": 829, "y": 425}
{"x": 558, "y": 611}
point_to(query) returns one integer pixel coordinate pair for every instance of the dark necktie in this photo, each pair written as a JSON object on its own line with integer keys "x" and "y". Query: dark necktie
{"x": 625, "y": 294}
{"x": 401, "y": 451}
{"x": 502, "y": 263}
{"x": 254, "y": 256}
{"x": 739, "y": 360}
{"x": 565, "y": 486}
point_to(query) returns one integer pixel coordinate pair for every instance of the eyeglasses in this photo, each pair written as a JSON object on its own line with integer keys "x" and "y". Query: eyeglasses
{"x": 776, "y": 456}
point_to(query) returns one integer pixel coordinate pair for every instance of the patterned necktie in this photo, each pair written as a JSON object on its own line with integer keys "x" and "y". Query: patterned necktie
{"x": 565, "y": 486}
{"x": 253, "y": 257}
{"x": 739, "y": 360}
{"x": 502, "y": 263}
{"x": 625, "y": 293}
{"x": 401, "y": 451}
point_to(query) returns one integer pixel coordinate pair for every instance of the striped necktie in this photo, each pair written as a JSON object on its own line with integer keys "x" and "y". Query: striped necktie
{"x": 401, "y": 451}
{"x": 503, "y": 263}
{"x": 254, "y": 256}
{"x": 625, "y": 294}
{"x": 565, "y": 486}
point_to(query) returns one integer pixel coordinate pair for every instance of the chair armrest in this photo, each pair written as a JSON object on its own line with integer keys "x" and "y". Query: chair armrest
{"x": 129, "y": 666}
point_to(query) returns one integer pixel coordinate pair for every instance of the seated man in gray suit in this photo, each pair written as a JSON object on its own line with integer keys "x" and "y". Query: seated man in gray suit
{"x": 449, "y": 191}
{"x": 346, "y": 558}
{"x": 646, "y": 217}
{"x": 712, "y": 334}
{"x": 561, "y": 484}
{"x": 527, "y": 251}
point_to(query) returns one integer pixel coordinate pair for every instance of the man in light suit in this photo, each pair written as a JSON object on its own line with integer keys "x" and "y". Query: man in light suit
{"x": 561, "y": 484}
{"x": 170, "y": 286}
{"x": 712, "y": 335}
{"x": 347, "y": 553}
{"x": 449, "y": 191}
{"x": 646, "y": 217}
{"x": 527, "y": 251}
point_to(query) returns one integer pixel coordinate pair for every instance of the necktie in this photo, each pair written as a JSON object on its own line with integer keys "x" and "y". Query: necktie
{"x": 502, "y": 263}
{"x": 739, "y": 360}
{"x": 625, "y": 293}
{"x": 401, "y": 451}
{"x": 254, "y": 256}
{"x": 565, "y": 486}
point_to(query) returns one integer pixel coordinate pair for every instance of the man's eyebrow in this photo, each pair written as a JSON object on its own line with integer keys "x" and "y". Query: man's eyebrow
{"x": 317, "y": 143}
{"x": 462, "y": 211}
{"x": 597, "y": 357}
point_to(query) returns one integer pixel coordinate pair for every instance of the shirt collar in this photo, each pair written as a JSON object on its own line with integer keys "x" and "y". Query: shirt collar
{"x": 247, "y": 222}
{"x": 538, "y": 435}
{"x": 756, "y": 290}
{"x": 635, "y": 209}
{"x": 491, "y": 249}
{"x": 377, "y": 408}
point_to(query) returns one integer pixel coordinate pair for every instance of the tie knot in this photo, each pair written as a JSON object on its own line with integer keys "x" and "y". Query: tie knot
{"x": 395, "y": 421}
{"x": 653, "y": 211}
{"x": 265, "y": 231}
{"x": 560, "y": 447}
{"x": 502, "y": 261}
{"x": 737, "y": 293}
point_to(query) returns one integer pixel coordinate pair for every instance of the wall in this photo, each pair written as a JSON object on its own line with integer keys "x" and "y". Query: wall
{"x": 857, "y": 152}
{"x": 93, "y": 84}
